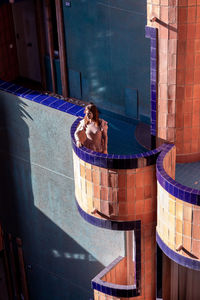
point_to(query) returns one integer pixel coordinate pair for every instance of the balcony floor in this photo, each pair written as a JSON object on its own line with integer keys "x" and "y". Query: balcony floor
{"x": 189, "y": 174}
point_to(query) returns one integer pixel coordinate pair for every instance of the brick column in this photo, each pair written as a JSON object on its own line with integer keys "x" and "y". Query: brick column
{"x": 178, "y": 113}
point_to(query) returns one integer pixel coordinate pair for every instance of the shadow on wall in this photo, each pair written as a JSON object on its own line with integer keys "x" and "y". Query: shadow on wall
{"x": 58, "y": 267}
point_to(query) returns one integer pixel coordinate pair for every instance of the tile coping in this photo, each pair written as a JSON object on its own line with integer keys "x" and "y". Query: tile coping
{"x": 173, "y": 187}
{"x": 113, "y": 161}
{"x": 108, "y": 223}
{"x": 112, "y": 289}
{"x": 187, "y": 262}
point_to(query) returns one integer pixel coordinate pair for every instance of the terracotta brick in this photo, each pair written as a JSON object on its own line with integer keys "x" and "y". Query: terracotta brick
{"x": 122, "y": 195}
{"x": 187, "y": 228}
{"x": 148, "y": 205}
{"x": 191, "y": 14}
{"x": 196, "y": 248}
{"x": 179, "y": 226}
{"x": 104, "y": 178}
{"x": 140, "y": 179}
{"x": 104, "y": 206}
{"x": 82, "y": 170}
{"x": 122, "y": 179}
{"x": 196, "y": 232}
{"x": 139, "y": 193}
{"x": 130, "y": 195}
{"x": 196, "y": 216}
{"x": 182, "y": 15}
{"x": 187, "y": 243}
{"x": 183, "y": 2}
{"x": 187, "y": 120}
{"x": 139, "y": 207}
{"x": 96, "y": 177}
{"x": 88, "y": 174}
{"x": 123, "y": 209}
{"x": 197, "y": 30}
{"x": 113, "y": 179}
{"x": 182, "y": 32}
{"x": 189, "y": 72}
{"x": 96, "y": 191}
{"x": 187, "y": 212}
{"x": 197, "y": 42}
{"x": 147, "y": 191}
{"x": 188, "y": 91}
{"x": 196, "y": 91}
{"x": 179, "y": 239}
{"x": 130, "y": 180}
{"x": 104, "y": 193}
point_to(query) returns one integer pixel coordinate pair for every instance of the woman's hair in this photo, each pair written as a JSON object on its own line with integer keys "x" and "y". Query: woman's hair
{"x": 91, "y": 107}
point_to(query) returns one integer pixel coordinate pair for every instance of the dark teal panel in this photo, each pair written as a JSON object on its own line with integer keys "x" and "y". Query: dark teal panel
{"x": 106, "y": 44}
{"x": 74, "y": 84}
{"x": 57, "y": 75}
{"x": 131, "y": 103}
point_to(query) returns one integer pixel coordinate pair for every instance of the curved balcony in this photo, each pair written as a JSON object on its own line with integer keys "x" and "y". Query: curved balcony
{"x": 120, "y": 189}
{"x": 118, "y": 192}
{"x": 178, "y": 214}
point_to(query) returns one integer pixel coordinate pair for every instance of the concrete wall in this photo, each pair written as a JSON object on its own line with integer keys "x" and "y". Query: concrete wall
{"x": 37, "y": 202}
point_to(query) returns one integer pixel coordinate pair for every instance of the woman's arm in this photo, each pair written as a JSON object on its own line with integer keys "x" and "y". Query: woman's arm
{"x": 105, "y": 136}
{"x": 79, "y": 134}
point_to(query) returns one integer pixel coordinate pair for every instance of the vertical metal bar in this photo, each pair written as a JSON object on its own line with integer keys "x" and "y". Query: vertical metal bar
{"x": 62, "y": 48}
{"x": 22, "y": 269}
{"x": 50, "y": 42}
{"x": 129, "y": 255}
{"x": 41, "y": 41}
{"x": 166, "y": 278}
{"x": 8, "y": 275}
{"x": 13, "y": 268}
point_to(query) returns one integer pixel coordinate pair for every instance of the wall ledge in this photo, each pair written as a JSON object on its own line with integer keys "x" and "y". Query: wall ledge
{"x": 190, "y": 263}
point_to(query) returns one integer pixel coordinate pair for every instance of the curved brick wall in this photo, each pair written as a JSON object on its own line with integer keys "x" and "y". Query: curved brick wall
{"x": 178, "y": 214}
{"x": 178, "y": 116}
{"x": 118, "y": 194}
{"x": 123, "y": 190}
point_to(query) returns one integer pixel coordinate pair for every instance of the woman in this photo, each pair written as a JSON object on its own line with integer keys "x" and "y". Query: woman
{"x": 92, "y": 131}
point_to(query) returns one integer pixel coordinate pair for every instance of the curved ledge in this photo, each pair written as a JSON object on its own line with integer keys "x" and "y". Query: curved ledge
{"x": 174, "y": 188}
{"x": 108, "y": 224}
{"x": 179, "y": 259}
{"x": 117, "y": 290}
{"x": 113, "y": 161}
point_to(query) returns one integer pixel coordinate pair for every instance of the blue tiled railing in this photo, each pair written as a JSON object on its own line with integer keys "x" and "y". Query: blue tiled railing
{"x": 152, "y": 33}
{"x": 174, "y": 188}
{"x": 41, "y": 98}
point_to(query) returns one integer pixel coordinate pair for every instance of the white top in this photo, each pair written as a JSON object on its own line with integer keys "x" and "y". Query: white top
{"x": 92, "y": 136}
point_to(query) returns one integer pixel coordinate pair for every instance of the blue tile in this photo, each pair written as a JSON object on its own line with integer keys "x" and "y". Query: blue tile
{"x": 14, "y": 88}
{"x": 153, "y": 42}
{"x": 39, "y": 99}
{"x": 73, "y": 110}
{"x": 32, "y": 95}
{"x": 48, "y": 101}
{"x": 57, "y": 104}
{"x": 66, "y": 106}
{"x": 22, "y": 91}
{"x": 81, "y": 113}
{"x": 153, "y": 53}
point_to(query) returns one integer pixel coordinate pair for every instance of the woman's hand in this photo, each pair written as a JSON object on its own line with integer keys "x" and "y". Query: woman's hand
{"x": 78, "y": 144}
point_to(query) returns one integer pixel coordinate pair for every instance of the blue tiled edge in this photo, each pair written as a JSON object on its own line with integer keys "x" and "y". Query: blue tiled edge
{"x": 174, "y": 188}
{"x": 44, "y": 99}
{"x": 178, "y": 258}
{"x": 112, "y": 289}
{"x": 152, "y": 33}
{"x": 112, "y": 161}
{"x": 108, "y": 224}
